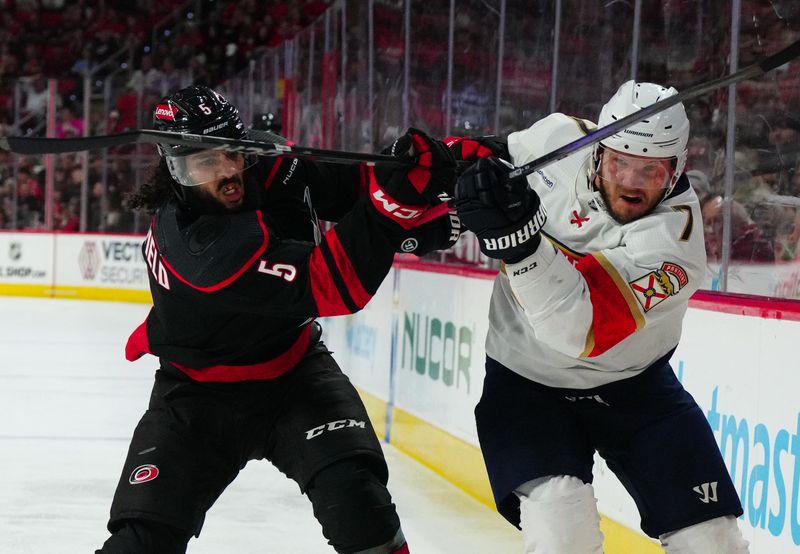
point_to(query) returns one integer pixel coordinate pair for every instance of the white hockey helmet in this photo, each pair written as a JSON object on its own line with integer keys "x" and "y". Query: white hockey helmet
{"x": 662, "y": 135}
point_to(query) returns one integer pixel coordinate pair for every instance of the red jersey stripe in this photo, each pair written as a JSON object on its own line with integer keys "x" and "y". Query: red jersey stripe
{"x": 614, "y": 309}
{"x": 278, "y": 163}
{"x": 269, "y": 369}
{"x": 323, "y": 287}
{"x": 357, "y": 292}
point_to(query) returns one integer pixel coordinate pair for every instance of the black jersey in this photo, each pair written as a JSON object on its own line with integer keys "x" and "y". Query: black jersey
{"x": 234, "y": 294}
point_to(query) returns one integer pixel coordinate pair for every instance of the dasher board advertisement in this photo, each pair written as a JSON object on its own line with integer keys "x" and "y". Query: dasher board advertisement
{"x": 26, "y": 259}
{"x": 101, "y": 261}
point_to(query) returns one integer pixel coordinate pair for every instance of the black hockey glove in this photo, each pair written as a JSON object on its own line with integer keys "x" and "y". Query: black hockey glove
{"x": 472, "y": 148}
{"x": 439, "y": 233}
{"x": 506, "y": 215}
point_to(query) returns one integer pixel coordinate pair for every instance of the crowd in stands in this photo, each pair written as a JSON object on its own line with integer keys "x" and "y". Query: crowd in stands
{"x": 156, "y": 46}
{"x": 207, "y": 41}
{"x": 680, "y": 45}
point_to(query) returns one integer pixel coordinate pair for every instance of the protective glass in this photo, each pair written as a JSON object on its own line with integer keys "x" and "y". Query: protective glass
{"x": 208, "y": 166}
{"x": 635, "y": 171}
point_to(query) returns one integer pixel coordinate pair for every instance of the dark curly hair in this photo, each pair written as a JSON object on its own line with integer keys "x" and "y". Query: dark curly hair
{"x": 156, "y": 191}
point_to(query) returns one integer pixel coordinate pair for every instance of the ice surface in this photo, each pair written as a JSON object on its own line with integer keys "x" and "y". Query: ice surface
{"x": 68, "y": 404}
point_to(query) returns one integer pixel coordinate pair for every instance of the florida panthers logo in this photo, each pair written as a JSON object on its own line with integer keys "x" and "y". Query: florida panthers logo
{"x": 655, "y": 287}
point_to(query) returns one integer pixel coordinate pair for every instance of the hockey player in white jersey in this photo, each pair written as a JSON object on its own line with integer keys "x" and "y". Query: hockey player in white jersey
{"x": 601, "y": 253}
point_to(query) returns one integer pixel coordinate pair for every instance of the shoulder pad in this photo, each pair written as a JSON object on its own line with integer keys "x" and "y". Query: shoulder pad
{"x": 214, "y": 250}
{"x": 544, "y": 136}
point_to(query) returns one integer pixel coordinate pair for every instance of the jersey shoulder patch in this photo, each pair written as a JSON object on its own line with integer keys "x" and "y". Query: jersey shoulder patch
{"x": 212, "y": 251}
{"x": 651, "y": 289}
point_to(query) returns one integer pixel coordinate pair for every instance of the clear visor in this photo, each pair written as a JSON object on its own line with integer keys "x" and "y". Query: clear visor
{"x": 208, "y": 166}
{"x": 637, "y": 172}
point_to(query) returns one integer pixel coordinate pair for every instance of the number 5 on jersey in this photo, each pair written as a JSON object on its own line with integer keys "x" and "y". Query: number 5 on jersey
{"x": 284, "y": 271}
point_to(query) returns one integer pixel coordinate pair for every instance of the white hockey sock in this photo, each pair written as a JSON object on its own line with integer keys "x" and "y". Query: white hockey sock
{"x": 716, "y": 536}
{"x": 558, "y": 515}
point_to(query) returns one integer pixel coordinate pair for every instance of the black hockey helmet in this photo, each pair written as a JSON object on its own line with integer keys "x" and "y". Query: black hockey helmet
{"x": 198, "y": 110}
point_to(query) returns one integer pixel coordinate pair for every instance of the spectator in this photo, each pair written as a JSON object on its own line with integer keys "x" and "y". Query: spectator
{"x": 30, "y": 201}
{"x": 69, "y": 125}
{"x": 127, "y": 111}
{"x": 198, "y": 70}
{"x": 699, "y": 182}
{"x": 748, "y": 243}
{"x": 36, "y": 96}
{"x": 787, "y": 241}
{"x": 169, "y": 78}
{"x": 8, "y": 61}
{"x": 30, "y": 59}
{"x": 470, "y": 110}
{"x": 146, "y": 79}
{"x": 103, "y": 45}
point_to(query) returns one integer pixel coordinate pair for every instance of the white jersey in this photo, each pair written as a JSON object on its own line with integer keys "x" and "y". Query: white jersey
{"x": 599, "y": 301}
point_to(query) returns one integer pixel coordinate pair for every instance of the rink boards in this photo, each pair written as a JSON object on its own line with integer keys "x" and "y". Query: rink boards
{"x": 416, "y": 354}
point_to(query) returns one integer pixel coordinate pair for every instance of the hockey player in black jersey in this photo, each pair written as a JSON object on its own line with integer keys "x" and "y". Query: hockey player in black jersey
{"x": 238, "y": 273}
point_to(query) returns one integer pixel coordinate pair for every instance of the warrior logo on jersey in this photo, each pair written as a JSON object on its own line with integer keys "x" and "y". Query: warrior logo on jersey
{"x": 653, "y": 288}
{"x": 143, "y": 474}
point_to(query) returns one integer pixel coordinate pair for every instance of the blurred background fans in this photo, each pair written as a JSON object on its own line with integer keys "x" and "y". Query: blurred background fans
{"x": 354, "y": 74}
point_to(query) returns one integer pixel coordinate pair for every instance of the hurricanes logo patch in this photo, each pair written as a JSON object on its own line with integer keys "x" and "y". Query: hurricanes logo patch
{"x": 143, "y": 474}
{"x": 655, "y": 287}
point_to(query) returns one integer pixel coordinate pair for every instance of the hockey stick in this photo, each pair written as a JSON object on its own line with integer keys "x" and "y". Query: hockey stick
{"x": 35, "y": 145}
{"x": 755, "y": 70}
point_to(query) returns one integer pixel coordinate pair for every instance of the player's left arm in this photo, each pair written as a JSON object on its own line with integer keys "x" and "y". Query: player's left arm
{"x": 584, "y": 306}
{"x": 334, "y": 188}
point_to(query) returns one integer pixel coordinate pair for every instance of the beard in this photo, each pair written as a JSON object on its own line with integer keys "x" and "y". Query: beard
{"x": 203, "y": 202}
{"x": 622, "y": 220}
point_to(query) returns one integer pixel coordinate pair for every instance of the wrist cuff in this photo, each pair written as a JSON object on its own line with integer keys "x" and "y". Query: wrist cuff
{"x": 405, "y": 215}
{"x": 532, "y": 267}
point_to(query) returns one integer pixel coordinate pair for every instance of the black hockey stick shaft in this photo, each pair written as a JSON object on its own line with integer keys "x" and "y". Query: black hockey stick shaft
{"x": 35, "y": 145}
{"x": 757, "y": 69}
